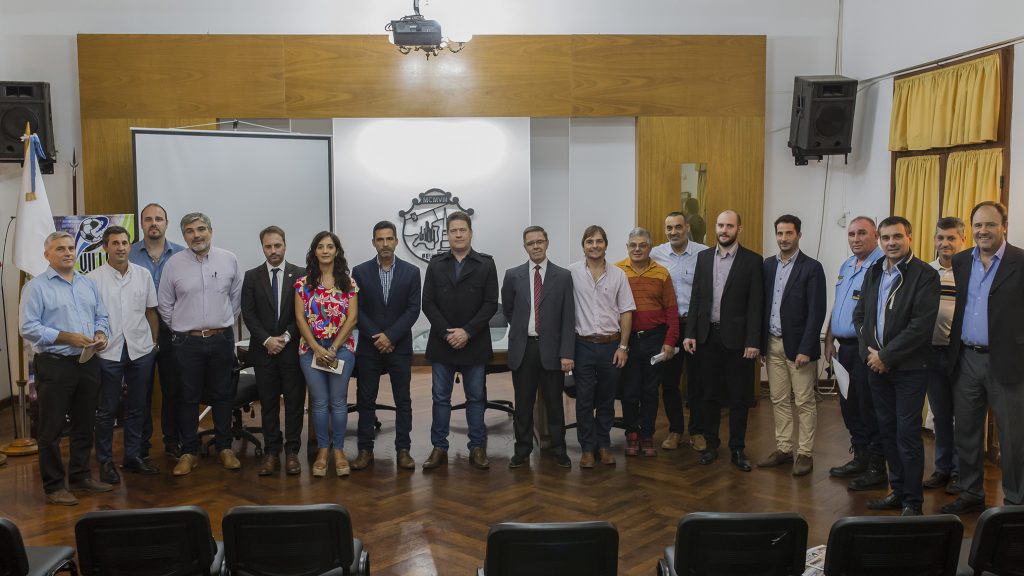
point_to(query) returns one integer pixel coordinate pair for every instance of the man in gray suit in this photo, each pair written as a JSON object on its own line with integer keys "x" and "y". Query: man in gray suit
{"x": 537, "y": 299}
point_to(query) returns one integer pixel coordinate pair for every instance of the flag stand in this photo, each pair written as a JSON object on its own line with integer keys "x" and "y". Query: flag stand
{"x": 23, "y": 444}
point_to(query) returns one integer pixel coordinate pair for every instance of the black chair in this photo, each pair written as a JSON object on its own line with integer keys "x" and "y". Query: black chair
{"x": 246, "y": 397}
{"x": 295, "y": 540}
{"x": 552, "y": 549}
{"x": 148, "y": 542}
{"x": 16, "y": 559}
{"x": 998, "y": 545}
{"x": 894, "y": 546}
{"x": 727, "y": 544}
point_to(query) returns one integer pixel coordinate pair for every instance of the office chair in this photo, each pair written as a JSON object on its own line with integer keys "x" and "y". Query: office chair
{"x": 552, "y": 549}
{"x": 894, "y": 546}
{"x": 246, "y": 396}
{"x": 998, "y": 545}
{"x": 16, "y": 559}
{"x": 728, "y": 544}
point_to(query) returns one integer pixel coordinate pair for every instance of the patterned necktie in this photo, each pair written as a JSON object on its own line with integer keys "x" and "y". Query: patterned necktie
{"x": 273, "y": 291}
{"x": 536, "y": 298}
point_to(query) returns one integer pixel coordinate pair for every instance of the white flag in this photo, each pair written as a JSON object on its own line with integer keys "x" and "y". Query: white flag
{"x": 35, "y": 219}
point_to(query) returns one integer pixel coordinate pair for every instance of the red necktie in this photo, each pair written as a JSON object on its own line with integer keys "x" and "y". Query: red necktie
{"x": 536, "y": 298}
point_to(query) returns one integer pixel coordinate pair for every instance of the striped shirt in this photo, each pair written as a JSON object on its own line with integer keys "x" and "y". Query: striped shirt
{"x": 655, "y": 299}
{"x": 947, "y": 302}
{"x": 385, "y": 279}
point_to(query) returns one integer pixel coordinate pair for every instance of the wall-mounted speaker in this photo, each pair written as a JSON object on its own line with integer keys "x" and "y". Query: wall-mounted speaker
{"x": 21, "y": 103}
{"x": 822, "y": 118}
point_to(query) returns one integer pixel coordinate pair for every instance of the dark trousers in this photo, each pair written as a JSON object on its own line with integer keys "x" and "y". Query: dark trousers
{"x": 273, "y": 381}
{"x": 205, "y": 366}
{"x": 728, "y": 380}
{"x": 597, "y": 381}
{"x": 899, "y": 399}
{"x": 170, "y": 392}
{"x": 137, "y": 376}
{"x": 640, "y": 381}
{"x": 940, "y": 402}
{"x": 671, "y": 396}
{"x": 977, "y": 391}
{"x": 369, "y": 369}
{"x": 857, "y": 408}
{"x": 527, "y": 379}
{"x": 65, "y": 387}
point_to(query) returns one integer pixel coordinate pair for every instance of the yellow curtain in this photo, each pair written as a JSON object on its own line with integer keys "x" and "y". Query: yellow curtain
{"x": 917, "y": 200}
{"x": 947, "y": 107}
{"x": 971, "y": 177}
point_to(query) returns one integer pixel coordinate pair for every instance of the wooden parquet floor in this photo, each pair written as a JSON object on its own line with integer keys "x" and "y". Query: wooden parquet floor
{"x": 436, "y": 523}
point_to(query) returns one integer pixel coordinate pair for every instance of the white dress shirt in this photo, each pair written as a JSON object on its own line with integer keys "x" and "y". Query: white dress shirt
{"x": 126, "y": 299}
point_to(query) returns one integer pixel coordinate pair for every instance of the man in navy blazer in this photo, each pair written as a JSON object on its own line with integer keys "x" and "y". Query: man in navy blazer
{"x": 389, "y": 304}
{"x": 537, "y": 299}
{"x": 794, "y": 311}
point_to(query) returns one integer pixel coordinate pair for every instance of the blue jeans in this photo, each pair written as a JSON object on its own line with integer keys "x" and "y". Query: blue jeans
{"x": 328, "y": 394}
{"x": 138, "y": 376}
{"x": 474, "y": 386}
{"x": 597, "y": 381}
{"x": 940, "y": 402}
{"x": 898, "y": 397}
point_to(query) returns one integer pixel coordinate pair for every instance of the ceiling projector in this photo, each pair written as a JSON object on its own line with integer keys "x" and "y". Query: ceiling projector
{"x": 413, "y": 31}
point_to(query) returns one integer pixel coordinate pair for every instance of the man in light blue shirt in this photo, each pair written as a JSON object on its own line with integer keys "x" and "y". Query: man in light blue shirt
{"x": 63, "y": 319}
{"x": 152, "y": 253}
{"x": 679, "y": 255}
{"x": 867, "y": 468}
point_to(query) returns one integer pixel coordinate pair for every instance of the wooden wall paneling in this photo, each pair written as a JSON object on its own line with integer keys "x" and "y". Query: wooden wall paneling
{"x": 108, "y": 170}
{"x": 733, "y": 148}
{"x": 365, "y": 77}
{"x": 616, "y": 75}
{"x": 174, "y": 76}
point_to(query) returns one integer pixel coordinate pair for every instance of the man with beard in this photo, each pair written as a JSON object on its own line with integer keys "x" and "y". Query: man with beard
{"x": 725, "y": 325}
{"x": 152, "y": 253}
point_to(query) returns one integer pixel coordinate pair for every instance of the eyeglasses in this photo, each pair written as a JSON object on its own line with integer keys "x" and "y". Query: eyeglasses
{"x": 641, "y": 246}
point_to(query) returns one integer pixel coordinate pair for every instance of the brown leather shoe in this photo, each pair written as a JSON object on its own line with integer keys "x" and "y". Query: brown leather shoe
{"x": 605, "y": 456}
{"x": 186, "y": 464}
{"x": 292, "y": 466}
{"x": 405, "y": 461}
{"x": 478, "y": 457}
{"x": 776, "y": 458}
{"x": 671, "y": 441}
{"x": 363, "y": 459}
{"x": 698, "y": 442}
{"x": 61, "y": 497}
{"x": 436, "y": 459}
{"x": 269, "y": 464}
{"x": 587, "y": 460}
{"x": 803, "y": 465}
{"x": 229, "y": 460}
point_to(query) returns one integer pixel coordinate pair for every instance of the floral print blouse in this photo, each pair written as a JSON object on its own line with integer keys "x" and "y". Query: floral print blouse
{"x": 326, "y": 311}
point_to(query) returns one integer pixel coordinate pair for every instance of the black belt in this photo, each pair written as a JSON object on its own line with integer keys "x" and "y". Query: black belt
{"x": 657, "y": 330}
{"x": 940, "y": 348}
{"x": 716, "y": 325}
{"x": 55, "y": 356}
{"x": 528, "y": 337}
{"x": 978, "y": 349}
{"x": 847, "y": 341}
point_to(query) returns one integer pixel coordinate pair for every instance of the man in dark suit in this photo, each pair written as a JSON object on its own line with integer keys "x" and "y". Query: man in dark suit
{"x": 725, "y": 324}
{"x": 268, "y": 309}
{"x": 894, "y": 319}
{"x": 460, "y": 295}
{"x": 794, "y": 298}
{"x": 389, "y": 304}
{"x": 986, "y": 354}
{"x": 537, "y": 300}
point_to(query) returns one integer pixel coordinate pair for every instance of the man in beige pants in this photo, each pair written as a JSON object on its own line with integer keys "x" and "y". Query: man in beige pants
{"x": 794, "y": 311}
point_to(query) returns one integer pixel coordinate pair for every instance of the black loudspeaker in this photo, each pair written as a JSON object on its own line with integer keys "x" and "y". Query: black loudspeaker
{"x": 22, "y": 102}
{"x": 822, "y": 121}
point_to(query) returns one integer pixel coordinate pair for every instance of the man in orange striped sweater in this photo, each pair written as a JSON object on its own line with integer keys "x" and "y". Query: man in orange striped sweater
{"x": 655, "y": 332}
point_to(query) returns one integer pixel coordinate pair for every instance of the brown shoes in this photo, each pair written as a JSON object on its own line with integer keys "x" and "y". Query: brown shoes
{"x": 776, "y": 458}
{"x": 363, "y": 459}
{"x": 229, "y": 460}
{"x": 269, "y": 464}
{"x": 698, "y": 442}
{"x": 671, "y": 441}
{"x": 292, "y": 466}
{"x": 436, "y": 459}
{"x": 587, "y": 460}
{"x": 341, "y": 463}
{"x": 478, "y": 458}
{"x": 803, "y": 465}
{"x": 405, "y": 461}
{"x": 186, "y": 464}
{"x": 605, "y": 456}
{"x": 320, "y": 464}
{"x": 61, "y": 497}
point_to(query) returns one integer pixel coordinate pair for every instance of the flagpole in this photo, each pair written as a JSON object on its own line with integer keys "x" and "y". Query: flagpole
{"x": 23, "y": 444}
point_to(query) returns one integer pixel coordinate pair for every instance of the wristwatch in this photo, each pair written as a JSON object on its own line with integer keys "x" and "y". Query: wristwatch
{"x": 623, "y": 347}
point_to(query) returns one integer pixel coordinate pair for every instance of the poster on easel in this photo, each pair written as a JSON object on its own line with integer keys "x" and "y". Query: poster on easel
{"x": 88, "y": 234}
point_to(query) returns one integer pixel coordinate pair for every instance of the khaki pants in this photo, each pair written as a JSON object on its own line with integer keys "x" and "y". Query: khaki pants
{"x": 784, "y": 378}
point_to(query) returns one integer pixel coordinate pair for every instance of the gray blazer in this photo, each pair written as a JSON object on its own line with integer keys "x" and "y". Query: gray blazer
{"x": 557, "y": 314}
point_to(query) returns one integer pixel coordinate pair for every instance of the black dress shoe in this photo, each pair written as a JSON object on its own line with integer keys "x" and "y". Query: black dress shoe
{"x": 562, "y": 459}
{"x": 890, "y": 502}
{"x": 708, "y": 456}
{"x": 140, "y": 466}
{"x": 936, "y": 480}
{"x": 739, "y": 459}
{"x": 518, "y": 460}
{"x": 108, "y": 473}
{"x": 911, "y": 511}
{"x": 961, "y": 506}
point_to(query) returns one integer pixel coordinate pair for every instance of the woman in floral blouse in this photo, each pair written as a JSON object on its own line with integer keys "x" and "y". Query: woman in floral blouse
{"x": 325, "y": 311}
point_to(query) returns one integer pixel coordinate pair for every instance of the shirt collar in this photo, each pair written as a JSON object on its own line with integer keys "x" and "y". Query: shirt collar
{"x": 730, "y": 251}
{"x": 393, "y": 262}
{"x": 937, "y": 264}
{"x": 976, "y": 252}
{"x": 117, "y": 274}
{"x": 51, "y": 273}
{"x": 543, "y": 265}
{"x": 270, "y": 269}
{"x": 791, "y": 258}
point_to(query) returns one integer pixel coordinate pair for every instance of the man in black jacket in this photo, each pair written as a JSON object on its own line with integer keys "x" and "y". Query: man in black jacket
{"x": 460, "y": 295}
{"x": 894, "y": 319}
